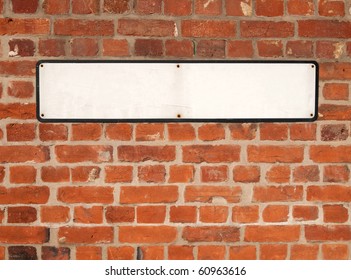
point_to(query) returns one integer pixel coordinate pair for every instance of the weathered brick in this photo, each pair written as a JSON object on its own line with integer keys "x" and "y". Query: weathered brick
{"x": 148, "y": 7}
{"x": 19, "y": 111}
{"x": 85, "y": 6}
{"x": 85, "y": 235}
{"x": 211, "y": 48}
{"x": 243, "y": 131}
{"x": 54, "y": 253}
{"x": 181, "y": 173}
{"x": 273, "y": 251}
{"x": 23, "y": 174}
{"x": 211, "y": 132}
{"x": 88, "y": 215}
{"x": 335, "y": 213}
{"x": 277, "y": 193}
{"x": 214, "y": 173}
{"x": 115, "y": 47}
{"x": 85, "y": 194}
{"x": 238, "y": 7}
{"x": 152, "y": 252}
{"x": 21, "y": 47}
{"x": 272, "y": 131}
{"x": 84, "y": 47}
{"x": 304, "y": 252}
{"x": 31, "y": 26}
{"x": 149, "y": 132}
{"x": 180, "y": 132}
{"x": 148, "y": 194}
{"x": 329, "y": 193}
{"x": 275, "y": 213}
{"x": 301, "y": 7}
{"x": 335, "y": 251}
{"x": 56, "y": 7}
{"x": 211, "y": 252}
{"x": 53, "y": 132}
{"x": 266, "y": 29}
{"x": 336, "y": 91}
{"x": 55, "y": 174}
{"x": 120, "y": 253}
{"x": 324, "y": 153}
{"x": 331, "y": 8}
{"x": 20, "y": 89}
{"x": 306, "y": 173}
{"x": 210, "y": 193}
{"x": 335, "y": 71}
{"x": 245, "y": 214}
{"x": 116, "y": 6}
{"x": 243, "y": 252}
{"x": 211, "y": 234}
{"x": 22, "y": 253}
{"x": 305, "y": 212}
{"x": 246, "y": 173}
{"x": 120, "y": 214}
{"x": 88, "y": 253}
{"x": 17, "y": 132}
{"x": 54, "y": 214}
{"x": 85, "y": 173}
{"x": 213, "y": 214}
{"x": 180, "y": 252}
{"x": 324, "y": 28}
{"x": 273, "y": 154}
{"x": 278, "y": 174}
{"x": 118, "y": 174}
{"x": 151, "y": 214}
{"x": 327, "y": 233}
{"x": 147, "y": 234}
{"x": 303, "y": 132}
{"x": 208, "y": 28}
{"x": 334, "y": 132}
{"x": 81, "y": 153}
{"x": 211, "y": 154}
{"x": 183, "y": 214}
{"x": 148, "y": 47}
{"x": 87, "y": 131}
{"x": 24, "y": 195}
{"x": 82, "y": 27}
{"x": 24, "y": 234}
{"x": 270, "y": 8}
{"x": 270, "y": 48}
{"x": 289, "y": 233}
{"x": 24, "y": 6}
{"x": 144, "y": 153}
{"x": 146, "y": 27}
{"x": 121, "y": 131}
{"x": 336, "y": 173}
{"x": 21, "y": 214}
{"x": 299, "y": 49}
{"x": 240, "y": 49}
{"x": 152, "y": 173}
{"x": 14, "y": 154}
{"x": 178, "y": 8}
{"x": 179, "y": 48}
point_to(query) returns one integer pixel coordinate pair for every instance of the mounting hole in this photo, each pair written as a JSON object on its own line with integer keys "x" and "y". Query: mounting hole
{"x": 179, "y": 116}
{"x": 41, "y": 65}
{"x": 311, "y": 115}
{"x": 42, "y": 115}
{"x": 312, "y": 66}
{"x": 178, "y": 66}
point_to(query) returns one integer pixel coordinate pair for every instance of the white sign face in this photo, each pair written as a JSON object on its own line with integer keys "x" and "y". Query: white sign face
{"x": 108, "y": 91}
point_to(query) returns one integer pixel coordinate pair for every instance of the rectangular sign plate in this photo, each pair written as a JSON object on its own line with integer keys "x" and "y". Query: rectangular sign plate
{"x": 196, "y": 91}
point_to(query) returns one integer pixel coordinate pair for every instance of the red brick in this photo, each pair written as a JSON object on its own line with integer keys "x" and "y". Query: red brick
{"x": 213, "y": 214}
{"x": 115, "y": 47}
{"x": 54, "y": 214}
{"x": 336, "y": 91}
{"x": 82, "y": 27}
{"x": 211, "y": 234}
{"x": 208, "y": 28}
{"x": 178, "y": 8}
{"x": 211, "y": 48}
{"x": 118, "y": 174}
{"x": 147, "y": 7}
{"x": 308, "y": 173}
{"x": 85, "y": 235}
{"x": 120, "y": 253}
{"x": 56, "y": 7}
{"x": 278, "y": 174}
{"x": 85, "y": 173}
{"x": 303, "y": 132}
{"x": 335, "y": 251}
{"x": 270, "y": 48}
{"x": 334, "y": 132}
{"x": 245, "y": 214}
{"x": 273, "y": 251}
{"x": 335, "y": 173}
{"x": 148, "y": 194}
{"x": 148, "y": 47}
{"x": 149, "y": 132}
{"x": 211, "y": 132}
{"x": 214, "y": 173}
{"x": 266, "y": 29}
{"x": 151, "y": 214}
{"x": 277, "y": 193}
{"x": 22, "y": 47}
{"x": 240, "y": 49}
{"x": 144, "y": 153}
{"x": 2, "y": 173}
{"x": 181, "y": 132}
{"x": 331, "y": 8}
{"x": 182, "y": 48}
{"x": 270, "y": 8}
{"x": 246, "y": 173}
{"x": 53, "y": 253}
{"x": 273, "y": 154}
{"x": 327, "y": 233}
{"x": 22, "y": 253}
{"x": 301, "y": 7}
{"x": 270, "y": 131}
{"x": 20, "y": 89}
{"x": 335, "y": 70}
{"x": 211, "y": 154}
{"x": 55, "y": 174}
{"x": 238, "y": 7}
{"x": 335, "y": 213}
{"x": 23, "y": 235}
{"x": 299, "y": 49}
{"x": 211, "y": 252}
{"x": 87, "y": 131}
{"x": 329, "y": 49}
{"x": 180, "y": 252}
{"x": 290, "y": 233}
{"x": 81, "y": 153}
{"x": 2, "y": 249}
{"x": 335, "y": 112}
{"x": 209, "y": 193}
{"x": 324, "y": 153}
{"x": 304, "y": 252}
{"x": 21, "y": 214}
{"x": 116, "y": 6}
{"x": 152, "y": 252}
{"x": 23, "y": 111}
{"x": 147, "y": 234}
{"x": 23, "y": 174}
{"x": 85, "y": 6}
{"x": 84, "y": 47}
{"x": 204, "y": 7}
{"x": 244, "y": 252}
{"x": 275, "y": 213}
{"x": 17, "y": 132}
{"x": 14, "y": 154}
{"x": 324, "y": 28}
{"x": 53, "y": 132}
{"x": 86, "y": 215}
{"x": 329, "y": 193}
{"x": 181, "y": 173}
{"x": 1, "y": 10}
{"x": 32, "y": 26}
{"x": 146, "y": 27}
{"x": 120, "y": 214}
{"x": 183, "y": 214}
{"x": 85, "y": 194}
{"x": 305, "y": 213}
{"x": 243, "y": 131}
{"x": 24, "y": 6}
{"x": 121, "y": 131}
{"x": 88, "y": 253}
{"x": 152, "y": 173}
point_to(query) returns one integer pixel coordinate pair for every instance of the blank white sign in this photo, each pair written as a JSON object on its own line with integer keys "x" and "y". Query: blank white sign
{"x": 168, "y": 90}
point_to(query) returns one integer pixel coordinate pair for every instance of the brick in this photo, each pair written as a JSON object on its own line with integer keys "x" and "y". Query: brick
{"x": 240, "y": 49}
{"x": 115, "y": 47}
{"x": 53, "y": 132}
{"x": 84, "y": 47}
{"x": 85, "y": 235}
{"x": 327, "y": 233}
{"x": 277, "y": 193}
{"x": 335, "y": 251}
{"x": 54, "y": 253}
{"x": 120, "y": 214}
{"x": 56, "y": 7}
{"x": 271, "y": 131}
{"x": 211, "y": 48}
{"x": 145, "y": 153}
{"x": 87, "y": 131}
{"x": 334, "y": 132}
{"x": 270, "y": 48}
{"x": 2, "y": 249}
{"x": 213, "y": 214}
{"x": 81, "y": 27}
{"x": 24, "y": 6}
{"x": 54, "y": 214}
{"x": 88, "y": 253}
{"x": 211, "y": 234}
{"x": 53, "y": 174}
{"x": 180, "y": 252}
{"x": 85, "y": 194}
{"x": 270, "y": 8}
{"x": 22, "y": 253}
{"x": 335, "y": 70}
{"x": 24, "y": 235}
{"x": 179, "y": 48}
{"x": 329, "y": 193}
{"x": 146, "y": 27}
{"x": 32, "y": 26}
{"x": 21, "y": 47}
{"x": 301, "y": 7}
{"x": 245, "y": 214}
{"x": 210, "y": 193}
{"x": 303, "y": 132}
{"x": 273, "y": 154}
{"x": 116, "y": 6}
{"x": 85, "y": 173}
{"x": 211, "y": 132}
{"x": 24, "y": 195}
{"x": 211, "y": 154}
{"x": 329, "y": 49}
{"x": 17, "y": 132}
{"x": 152, "y": 252}
{"x": 289, "y": 233}
{"x": 304, "y": 252}
{"x": 122, "y": 132}
{"x": 21, "y": 214}
{"x": 178, "y": 8}
{"x": 148, "y": 194}
{"x": 273, "y": 251}
{"x": 85, "y": 7}
{"x": 149, "y": 132}
{"x": 275, "y": 213}
{"x": 180, "y": 132}
{"x": 88, "y": 215}
{"x": 23, "y": 174}
{"x": 266, "y": 29}
{"x": 148, "y": 7}
{"x": 83, "y": 153}
{"x": 305, "y": 212}
{"x": 238, "y": 7}
{"x": 325, "y": 153}
{"x": 181, "y": 174}
{"x": 2, "y": 173}
{"x": 335, "y": 213}
{"x": 20, "y": 89}
{"x": 324, "y": 28}
{"x": 299, "y": 49}
{"x": 15, "y": 154}
{"x": 211, "y": 252}
{"x": 183, "y": 214}
{"x": 306, "y": 173}
{"x": 243, "y": 131}
{"x": 244, "y": 252}
{"x": 147, "y": 234}
{"x": 152, "y": 173}
{"x": 278, "y": 174}
{"x": 120, "y": 253}
{"x": 208, "y": 28}
{"x": 19, "y": 111}
{"x": 17, "y": 68}
{"x": 335, "y": 112}
{"x": 118, "y": 174}
{"x": 331, "y": 8}
{"x": 148, "y": 47}
{"x": 246, "y": 173}
{"x": 151, "y": 214}
{"x": 214, "y": 173}
{"x": 203, "y": 7}
{"x": 336, "y": 91}
{"x": 336, "y": 173}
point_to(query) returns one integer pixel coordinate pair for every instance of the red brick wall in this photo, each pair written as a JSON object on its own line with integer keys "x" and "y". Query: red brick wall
{"x": 174, "y": 191}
